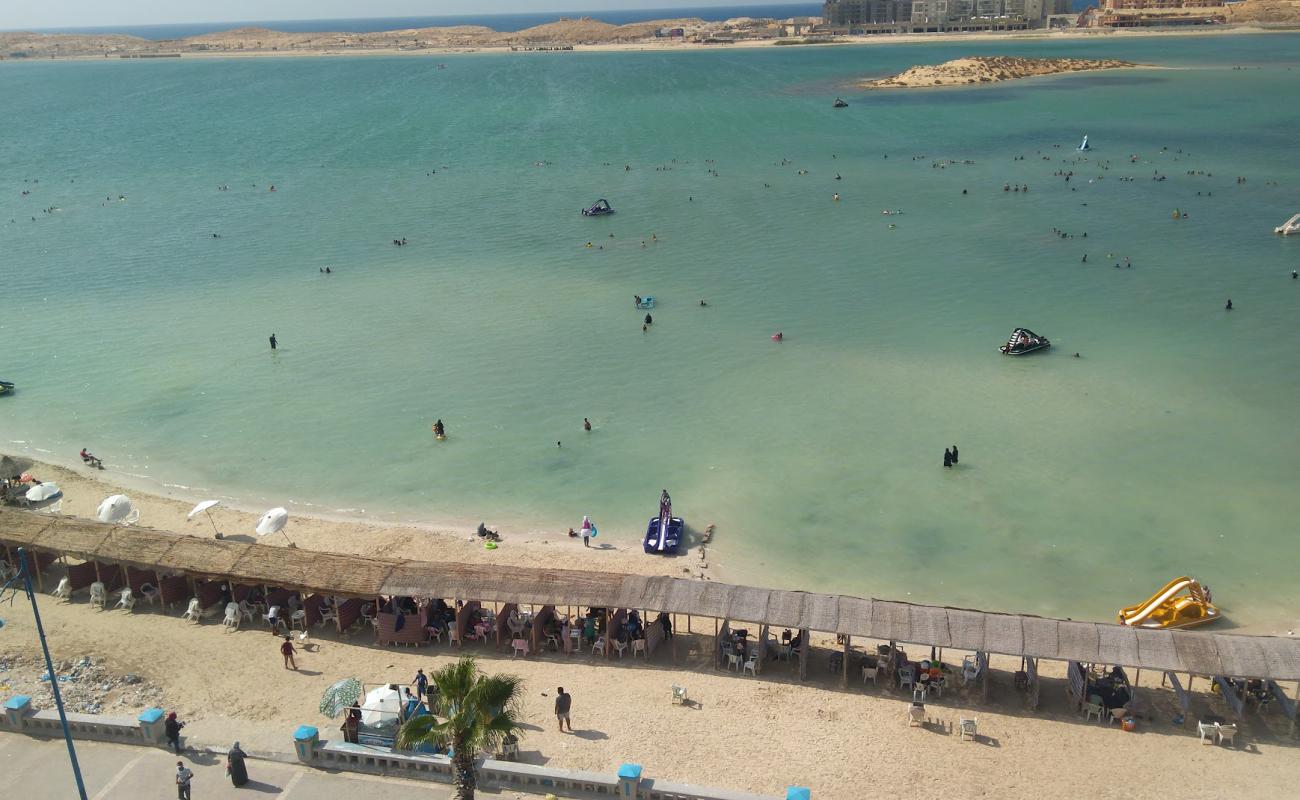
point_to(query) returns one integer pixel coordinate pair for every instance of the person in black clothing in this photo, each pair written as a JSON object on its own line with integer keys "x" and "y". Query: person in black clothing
{"x": 649, "y": 319}
{"x": 563, "y": 702}
{"x": 1228, "y": 307}
{"x": 273, "y": 342}
{"x": 666, "y": 623}
{"x": 235, "y": 766}
{"x": 954, "y": 454}
{"x": 947, "y": 458}
{"x": 172, "y": 727}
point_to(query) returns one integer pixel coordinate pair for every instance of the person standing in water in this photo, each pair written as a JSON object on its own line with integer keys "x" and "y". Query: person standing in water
{"x": 586, "y": 424}
{"x": 273, "y": 342}
{"x": 1228, "y": 307}
{"x": 954, "y": 454}
{"x": 947, "y": 458}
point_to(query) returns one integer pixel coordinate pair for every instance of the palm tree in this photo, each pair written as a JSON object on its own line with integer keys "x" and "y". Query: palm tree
{"x": 473, "y": 712}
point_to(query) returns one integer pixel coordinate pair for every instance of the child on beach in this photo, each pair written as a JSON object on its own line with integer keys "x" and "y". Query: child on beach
{"x": 287, "y": 651}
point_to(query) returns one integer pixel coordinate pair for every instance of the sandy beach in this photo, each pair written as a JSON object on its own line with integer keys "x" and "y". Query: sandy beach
{"x": 231, "y": 685}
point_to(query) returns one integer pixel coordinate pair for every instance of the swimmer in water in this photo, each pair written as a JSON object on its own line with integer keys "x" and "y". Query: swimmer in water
{"x": 438, "y": 429}
{"x": 586, "y": 424}
{"x": 1228, "y": 307}
{"x": 778, "y": 336}
{"x": 704, "y": 304}
{"x": 835, "y": 196}
{"x": 649, "y": 320}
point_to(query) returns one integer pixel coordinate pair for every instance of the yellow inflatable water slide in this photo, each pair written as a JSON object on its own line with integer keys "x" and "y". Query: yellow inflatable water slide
{"x": 1183, "y": 602}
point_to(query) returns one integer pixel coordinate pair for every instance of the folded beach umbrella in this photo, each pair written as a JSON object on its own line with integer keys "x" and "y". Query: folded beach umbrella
{"x": 382, "y": 705}
{"x": 339, "y": 696}
{"x": 117, "y": 508}
{"x": 44, "y": 491}
{"x": 273, "y": 521}
{"x": 205, "y": 507}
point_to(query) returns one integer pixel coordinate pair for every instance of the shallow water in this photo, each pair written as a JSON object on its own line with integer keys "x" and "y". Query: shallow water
{"x": 1084, "y": 484}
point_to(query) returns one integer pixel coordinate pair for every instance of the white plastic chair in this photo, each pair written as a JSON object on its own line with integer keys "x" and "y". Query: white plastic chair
{"x": 907, "y": 677}
{"x": 328, "y": 613}
{"x": 64, "y": 589}
{"x": 232, "y": 616}
{"x": 98, "y": 594}
{"x": 149, "y": 592}
{"x": 193, "y": 612}
{"x": 915, "y": 715}
{"x": 638, "y": 646}
{"x": 751, "y": 666}
{"x": 125, "y": 599}
{"x": 1207, "y": 731}
{"x": 870, "y": 673}
{"x": 919, "y": 693}
{"x": 435, "y": 634}
{"x": 599, "y": 644}
{"x": 1089, "y": 709}
{"x": 966, "y": 729}
{"x": 679, "y": 695}
{"x": 246, "y": 611}
{"x": 453, "y": 636}
{"x": 518, "y": 646}
{"x": 298, "y": 619}
{"x": 1226, "y": 733}
{"x": 733, "y": 660}
{"x": 619, "y": 647}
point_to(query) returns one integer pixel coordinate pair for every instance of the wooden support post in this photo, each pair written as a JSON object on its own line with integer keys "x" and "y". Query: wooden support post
{"x": 845, "y": 680}
{"x": 804, "y": 646}
{"x": 988, "y": 667}
{"x": 688, "y": 623}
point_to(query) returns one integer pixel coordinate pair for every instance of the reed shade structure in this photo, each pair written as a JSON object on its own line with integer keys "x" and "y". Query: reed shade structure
{"x": 1195, "y": 652}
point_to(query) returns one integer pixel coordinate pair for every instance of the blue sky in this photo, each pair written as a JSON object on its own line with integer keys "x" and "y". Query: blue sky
{"x": 18, "y": 14}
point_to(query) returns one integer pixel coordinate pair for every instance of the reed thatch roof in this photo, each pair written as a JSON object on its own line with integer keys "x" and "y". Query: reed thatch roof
{"x": 964, "y": 629}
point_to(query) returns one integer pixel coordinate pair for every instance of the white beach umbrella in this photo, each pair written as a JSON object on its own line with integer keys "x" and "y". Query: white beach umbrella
{"x": 382, "y": 705}
{"x": 117, "y": 508}
{"x": 205, "y": 506}
{"x": 43, "y": 492}
{"x": 273, "y": 521}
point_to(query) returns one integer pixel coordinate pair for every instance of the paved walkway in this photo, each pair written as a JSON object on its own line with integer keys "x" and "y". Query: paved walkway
{"x": 37, "y": 769}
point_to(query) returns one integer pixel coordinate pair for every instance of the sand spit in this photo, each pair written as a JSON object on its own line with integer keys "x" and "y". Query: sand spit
{"x": 989, "y": 69}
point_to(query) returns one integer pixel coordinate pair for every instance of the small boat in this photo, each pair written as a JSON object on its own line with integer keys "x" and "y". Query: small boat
{"x": 665, "y": 532}
{"x": 646, "y": 303}
{"x": 840, "y": 103}
{"x": 1289, "y": 227}
{"x": 599, "y": 208}
{"x": 1084, "y": 146}
{"x": 6, "y": 387}
{"x": 1182, "y": 602}
{"x": 1022, "y": 341}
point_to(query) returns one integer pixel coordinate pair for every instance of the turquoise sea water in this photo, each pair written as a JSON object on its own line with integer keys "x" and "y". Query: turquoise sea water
{"x": 1084, "y": 484}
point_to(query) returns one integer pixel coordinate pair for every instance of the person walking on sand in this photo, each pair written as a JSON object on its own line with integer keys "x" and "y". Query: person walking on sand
{"x": 954, "y": 454}
{"x": 563, "y": 702}
{"x": 273, "y": 342}
{"x": 287, "y": 651}
{"x": 172, "y": 729}
{"x": 183, "y": 776}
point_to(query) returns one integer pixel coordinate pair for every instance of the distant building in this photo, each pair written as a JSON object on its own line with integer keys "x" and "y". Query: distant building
{"x": 1124, "y": 5}
{"x": 850, "y": 13}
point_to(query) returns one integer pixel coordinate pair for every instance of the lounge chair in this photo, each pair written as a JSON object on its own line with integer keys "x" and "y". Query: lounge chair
{"x": 966, "y": 728}
{"x": 679, "y": 695}
{"x": 126, "y": 599}
{"x": 64, "y": 590}
{"x": 1226, "y": 733}
{"x": 98, "y": 594}
{"x": 193, "y": 612}
{"x": 1207, "y": 731}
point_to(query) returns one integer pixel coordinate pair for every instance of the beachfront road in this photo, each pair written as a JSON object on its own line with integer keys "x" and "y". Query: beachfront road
{"x": 38, "y": 769}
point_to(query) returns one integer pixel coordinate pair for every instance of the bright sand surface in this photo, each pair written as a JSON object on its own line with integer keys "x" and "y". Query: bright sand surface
{"x": 742, "y": 733}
